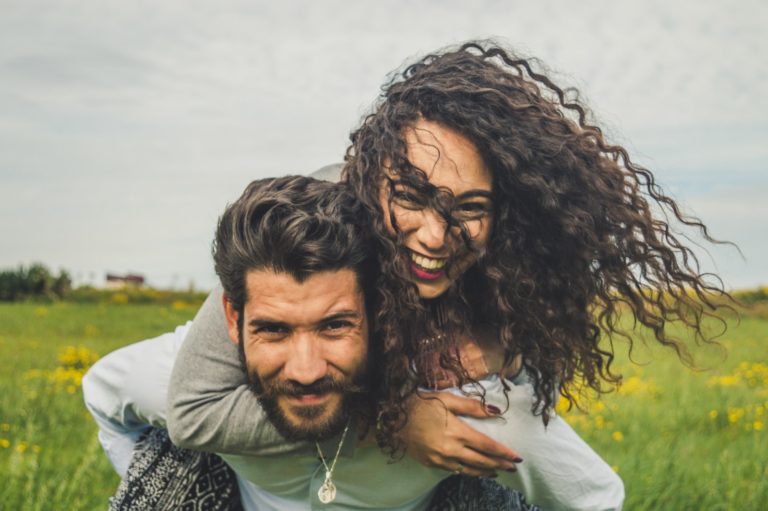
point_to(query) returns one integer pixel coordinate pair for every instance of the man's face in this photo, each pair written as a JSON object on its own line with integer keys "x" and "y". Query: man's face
{"x": 305, "y": 347}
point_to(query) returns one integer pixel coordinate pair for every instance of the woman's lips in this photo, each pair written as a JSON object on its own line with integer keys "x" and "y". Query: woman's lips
{"x": 427, "y": 268}
{"x": 423, "y": 274}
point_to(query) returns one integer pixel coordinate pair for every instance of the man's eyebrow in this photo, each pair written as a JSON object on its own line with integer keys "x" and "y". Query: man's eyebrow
{"x": 346, "y": 314}
{"x": 262, "y": 322}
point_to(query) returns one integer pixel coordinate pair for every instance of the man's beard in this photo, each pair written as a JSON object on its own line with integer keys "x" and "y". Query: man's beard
{"x": 305, "y": 425}
{"x": 354, "y": 400}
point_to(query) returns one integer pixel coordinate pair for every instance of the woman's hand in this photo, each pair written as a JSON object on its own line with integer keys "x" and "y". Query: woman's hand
{"x": 478, "y": 360}
{"x": 436, "y": 437}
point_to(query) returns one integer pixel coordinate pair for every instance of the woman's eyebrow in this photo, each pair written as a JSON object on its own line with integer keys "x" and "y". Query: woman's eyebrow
{"x": 464, "y": 195}
{"x": 475, "y": 193}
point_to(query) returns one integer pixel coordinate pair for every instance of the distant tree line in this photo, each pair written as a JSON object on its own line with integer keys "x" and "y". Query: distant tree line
{"x": 33, "y": 282}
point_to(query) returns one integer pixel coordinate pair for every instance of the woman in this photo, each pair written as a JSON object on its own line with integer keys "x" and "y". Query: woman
{"x": 566, "y": 239}
{"x": 507, "y": 226}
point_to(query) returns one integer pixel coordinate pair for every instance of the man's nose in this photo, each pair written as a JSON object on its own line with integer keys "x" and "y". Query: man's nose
{"x": 305, "y": 363}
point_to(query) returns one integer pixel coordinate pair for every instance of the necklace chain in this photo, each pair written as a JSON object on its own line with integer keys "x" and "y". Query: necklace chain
{"x": 327, "y": 491}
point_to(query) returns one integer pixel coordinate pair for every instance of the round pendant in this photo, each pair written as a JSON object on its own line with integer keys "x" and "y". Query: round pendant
{"x": 327, "y": 492}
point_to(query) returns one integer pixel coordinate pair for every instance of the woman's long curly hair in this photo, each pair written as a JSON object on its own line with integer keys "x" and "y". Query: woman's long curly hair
{"x": 580, "y": 233}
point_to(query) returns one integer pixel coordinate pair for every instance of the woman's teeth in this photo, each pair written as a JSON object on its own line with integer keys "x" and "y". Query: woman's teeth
{"x": 427, "y": 263}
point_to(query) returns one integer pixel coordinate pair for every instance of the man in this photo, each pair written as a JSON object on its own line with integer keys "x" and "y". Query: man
{"x": 293, "y": 259}
{"x": 292, "y": 255}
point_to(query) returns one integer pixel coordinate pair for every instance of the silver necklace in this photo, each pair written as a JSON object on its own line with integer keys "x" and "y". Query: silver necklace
{"x": 327, "y": 491}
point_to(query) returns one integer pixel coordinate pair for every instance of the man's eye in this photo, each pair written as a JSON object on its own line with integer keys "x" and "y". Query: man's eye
{"x": 271, "y": 331}
{"x": 336, "y": 325}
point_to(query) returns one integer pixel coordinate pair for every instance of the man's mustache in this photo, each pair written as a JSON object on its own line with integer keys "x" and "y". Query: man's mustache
{"x": 324, "y": 385}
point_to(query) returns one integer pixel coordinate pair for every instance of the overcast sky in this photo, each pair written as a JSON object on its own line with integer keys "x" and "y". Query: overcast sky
{"x": 126, "y": 127}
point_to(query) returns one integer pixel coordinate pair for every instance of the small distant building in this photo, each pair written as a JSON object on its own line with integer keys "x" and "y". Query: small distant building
{"x": 120, "y": 281}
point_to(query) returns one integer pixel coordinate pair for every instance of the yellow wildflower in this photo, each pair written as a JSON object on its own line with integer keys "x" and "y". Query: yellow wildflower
{"x": 77, "y": 357}
{"x": 617, "y": 436}
{"x": 713, "y": 414}
{"x": 735, "y": 414}
{"x": 179, "y": 305}
{"x": 4, "y": 443}
{"x": 758, "y": 425}
{"x": 725, "y": 381}
{"x": 636, "y": 386}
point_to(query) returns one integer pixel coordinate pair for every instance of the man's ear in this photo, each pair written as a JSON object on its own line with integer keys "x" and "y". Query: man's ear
{"x": 232, "y": 315}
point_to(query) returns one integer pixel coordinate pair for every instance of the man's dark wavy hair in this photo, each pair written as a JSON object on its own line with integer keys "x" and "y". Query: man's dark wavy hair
{"x": 295, "y": 225}
{"x": 580, "y": 232}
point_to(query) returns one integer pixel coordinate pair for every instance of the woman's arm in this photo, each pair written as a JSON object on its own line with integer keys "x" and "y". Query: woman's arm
{"x": 560, "y": 470}
{"x": 210, "y": 405}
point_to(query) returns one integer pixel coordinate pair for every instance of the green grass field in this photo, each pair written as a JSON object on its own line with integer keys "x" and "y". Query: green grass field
{"x": 680, "y": 439}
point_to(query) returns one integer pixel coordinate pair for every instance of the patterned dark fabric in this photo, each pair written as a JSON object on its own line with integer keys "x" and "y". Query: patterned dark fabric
{"x": 162, "y": 477}
{"x": 465, "y": 493}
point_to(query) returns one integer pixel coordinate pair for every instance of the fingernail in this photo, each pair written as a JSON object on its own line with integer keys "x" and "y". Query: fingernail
{"x": 492, "y": 409}
{"x": 511, "y": 469}
{"x": 518, "y": 459}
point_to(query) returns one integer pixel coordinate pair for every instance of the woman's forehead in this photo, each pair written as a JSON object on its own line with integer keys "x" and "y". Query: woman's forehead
{"x": 448, "y": 159}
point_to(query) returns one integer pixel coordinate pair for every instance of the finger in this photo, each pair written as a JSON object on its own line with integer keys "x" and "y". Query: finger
{"x": 458, "y": 468}
{"x": 479, "y": 442}
{"x": 470, "y": 458}
{"x": 469, "y": 436}
{"x": 474, "y": 472}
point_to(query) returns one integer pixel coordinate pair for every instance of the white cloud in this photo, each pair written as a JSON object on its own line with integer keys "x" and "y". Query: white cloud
{"x": 125, "y": 127}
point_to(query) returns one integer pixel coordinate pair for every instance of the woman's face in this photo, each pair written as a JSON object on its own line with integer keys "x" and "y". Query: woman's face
{"x": 438, "y": 255}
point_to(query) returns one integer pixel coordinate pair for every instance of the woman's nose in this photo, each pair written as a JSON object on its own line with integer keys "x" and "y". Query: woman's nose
{"x": 432, "y": 230}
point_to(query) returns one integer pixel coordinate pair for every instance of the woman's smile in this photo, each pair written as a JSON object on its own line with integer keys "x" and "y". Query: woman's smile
{"x": 427, "y": 268}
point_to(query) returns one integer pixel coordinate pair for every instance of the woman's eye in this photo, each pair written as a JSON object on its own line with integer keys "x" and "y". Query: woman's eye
{"x": 407, "y": 200}
{"x": 471, "y": 210}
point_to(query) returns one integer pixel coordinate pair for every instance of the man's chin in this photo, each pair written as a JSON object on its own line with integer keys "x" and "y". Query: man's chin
{"x": 312, "y": 420}
{"x": 309, "y": 407}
